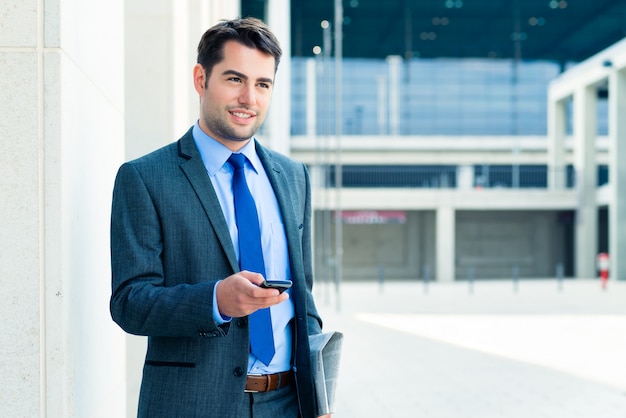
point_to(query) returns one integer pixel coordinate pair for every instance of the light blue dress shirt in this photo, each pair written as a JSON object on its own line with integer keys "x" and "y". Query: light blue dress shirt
{"x": 273, "y": 239}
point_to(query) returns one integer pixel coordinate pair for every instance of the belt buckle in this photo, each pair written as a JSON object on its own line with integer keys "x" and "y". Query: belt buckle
{"x": 249, "y": 390}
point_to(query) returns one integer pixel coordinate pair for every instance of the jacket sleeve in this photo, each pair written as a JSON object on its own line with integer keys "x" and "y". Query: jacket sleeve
{"x": 141, "y": 302}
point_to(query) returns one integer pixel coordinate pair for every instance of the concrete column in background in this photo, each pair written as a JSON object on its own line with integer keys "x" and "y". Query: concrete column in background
{"x": 556, "y": 144}
{"x": 617, "y": 173}
{"x": 585, "y": 132}
{"x": 445, "y": 237}
{"x": 465, "y": 177}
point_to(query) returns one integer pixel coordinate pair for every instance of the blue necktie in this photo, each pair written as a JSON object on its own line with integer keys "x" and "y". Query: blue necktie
{"x": 251, "y": 257}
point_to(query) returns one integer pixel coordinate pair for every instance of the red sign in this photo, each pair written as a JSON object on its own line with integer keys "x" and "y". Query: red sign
{"x": 373, "y": 217}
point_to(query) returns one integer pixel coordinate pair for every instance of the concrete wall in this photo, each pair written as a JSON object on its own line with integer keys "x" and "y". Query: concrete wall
{"x": 62, "y": 124}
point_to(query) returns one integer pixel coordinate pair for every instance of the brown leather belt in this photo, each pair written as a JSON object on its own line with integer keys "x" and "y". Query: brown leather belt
{"x": 268, "y": 382}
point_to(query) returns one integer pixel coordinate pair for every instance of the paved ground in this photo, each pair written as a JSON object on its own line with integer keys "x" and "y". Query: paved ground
{"x": 536, "y": 349}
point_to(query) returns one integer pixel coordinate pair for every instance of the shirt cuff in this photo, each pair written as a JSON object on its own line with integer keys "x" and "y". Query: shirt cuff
{"x": 217, "y": 316}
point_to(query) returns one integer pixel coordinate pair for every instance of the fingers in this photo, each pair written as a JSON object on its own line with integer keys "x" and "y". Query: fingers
{"x": 239, "y": 295}
{"x": 255, "y": 278}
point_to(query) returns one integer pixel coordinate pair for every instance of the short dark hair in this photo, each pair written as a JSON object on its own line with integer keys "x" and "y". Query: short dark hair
{"x": 249, "y": 31}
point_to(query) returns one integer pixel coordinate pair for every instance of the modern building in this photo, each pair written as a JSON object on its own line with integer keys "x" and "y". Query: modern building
{"x": 455, "y": 196}
{"x": 445, "y": 156}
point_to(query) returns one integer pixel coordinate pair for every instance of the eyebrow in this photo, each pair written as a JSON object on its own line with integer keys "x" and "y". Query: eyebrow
{"x": 245, "y": 77}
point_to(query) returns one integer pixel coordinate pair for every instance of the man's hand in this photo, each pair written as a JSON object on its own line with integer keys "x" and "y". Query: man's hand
{"x": 325, "y": 416}
{"x": 239, "y": 295}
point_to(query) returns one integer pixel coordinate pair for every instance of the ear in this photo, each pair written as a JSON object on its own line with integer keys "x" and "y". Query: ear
{"x": 199, "y": 78}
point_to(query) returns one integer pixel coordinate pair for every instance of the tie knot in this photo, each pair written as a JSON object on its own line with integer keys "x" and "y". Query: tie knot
{"x": 237, "y": 160}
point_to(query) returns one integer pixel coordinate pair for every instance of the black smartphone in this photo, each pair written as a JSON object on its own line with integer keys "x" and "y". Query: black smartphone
{"x": 281, "y": 285}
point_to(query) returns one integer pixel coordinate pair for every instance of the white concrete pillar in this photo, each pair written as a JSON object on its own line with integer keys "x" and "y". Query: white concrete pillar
{"x": 277, "y": 130}
{"x": 617, "y": 174}
{"x": 556, "y": 144}
{"x": 62, "y": 124}
{"x": 445, "y": 237}
{"x": 585, "y": 131}
{"x": 22, "y": 221}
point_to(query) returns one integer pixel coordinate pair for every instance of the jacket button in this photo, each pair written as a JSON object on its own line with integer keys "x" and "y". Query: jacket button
{"x": 238, "y": 372}
{"x": 242, "y": 322}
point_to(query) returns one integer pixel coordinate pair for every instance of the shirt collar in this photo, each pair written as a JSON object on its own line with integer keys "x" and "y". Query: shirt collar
{"x": 214, "y": 155}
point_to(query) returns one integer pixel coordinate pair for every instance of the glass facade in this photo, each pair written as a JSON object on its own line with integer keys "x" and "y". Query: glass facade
{"x": 434, "y": 97}
{"x": 438, "y": 97}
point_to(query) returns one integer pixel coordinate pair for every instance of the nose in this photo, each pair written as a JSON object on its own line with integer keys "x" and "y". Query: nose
{"x": 247, "y": 95}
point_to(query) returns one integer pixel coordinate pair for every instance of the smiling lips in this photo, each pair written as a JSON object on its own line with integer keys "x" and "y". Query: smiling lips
{"x": 241, "y": 115}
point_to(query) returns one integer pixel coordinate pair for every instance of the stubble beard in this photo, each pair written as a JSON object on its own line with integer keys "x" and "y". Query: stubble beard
{"x": 220, "y": 127}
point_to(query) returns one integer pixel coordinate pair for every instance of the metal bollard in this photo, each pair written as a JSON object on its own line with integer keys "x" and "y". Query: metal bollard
{"x": 426, "y": 276}
{"x": 381, "y": 278}
{"x": 515, "y": 278}
{"x": 470, "y": 279}
{"x": 559, "y": 276}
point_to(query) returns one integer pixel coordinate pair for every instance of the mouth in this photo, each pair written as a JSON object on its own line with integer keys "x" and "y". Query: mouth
{"x": 242, "y": 115}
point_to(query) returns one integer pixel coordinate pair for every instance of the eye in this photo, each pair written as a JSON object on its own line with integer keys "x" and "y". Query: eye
{"x": 235, "y": 79}
{"x": 264, "y": 85}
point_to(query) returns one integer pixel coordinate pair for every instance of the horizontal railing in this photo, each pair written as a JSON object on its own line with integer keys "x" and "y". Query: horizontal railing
{"x": 450, "y": 176}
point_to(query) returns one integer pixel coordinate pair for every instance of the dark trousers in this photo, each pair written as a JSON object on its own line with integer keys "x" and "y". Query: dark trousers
{"x": 281, "y": 403}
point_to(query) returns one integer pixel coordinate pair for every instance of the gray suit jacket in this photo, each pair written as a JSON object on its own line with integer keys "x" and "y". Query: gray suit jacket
{"x": 169, "y": 246}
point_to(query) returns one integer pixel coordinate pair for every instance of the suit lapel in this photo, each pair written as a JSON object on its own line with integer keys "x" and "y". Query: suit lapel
{"x": 195, "y": 171}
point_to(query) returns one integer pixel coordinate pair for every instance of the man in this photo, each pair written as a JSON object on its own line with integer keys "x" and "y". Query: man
{"x": 178, "y": 256}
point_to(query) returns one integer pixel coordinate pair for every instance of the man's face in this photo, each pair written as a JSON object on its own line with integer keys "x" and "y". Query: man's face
{"x": 237, "y": 95}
